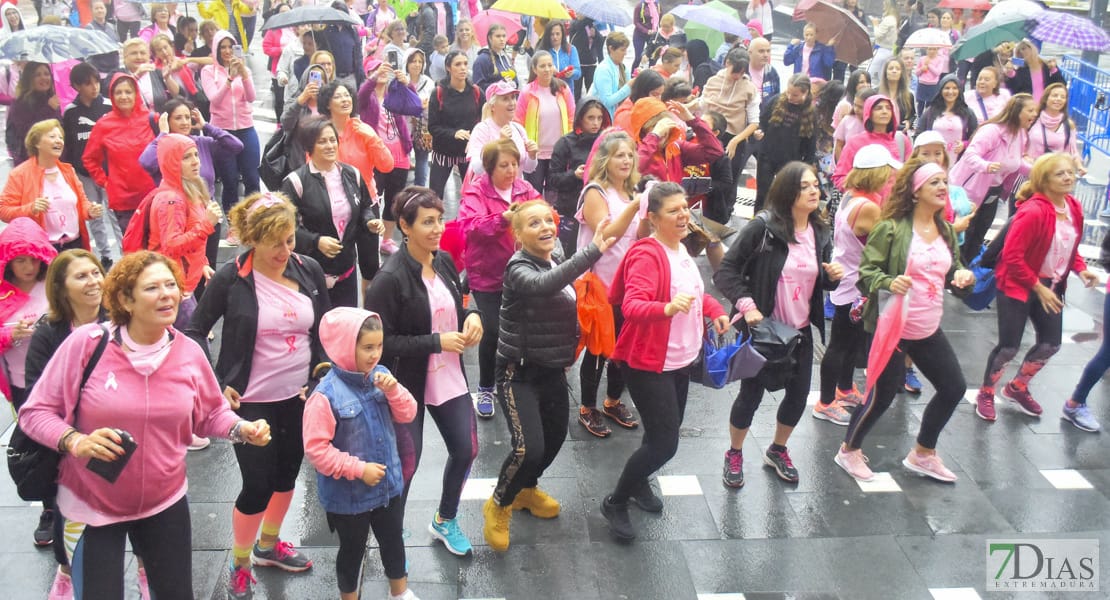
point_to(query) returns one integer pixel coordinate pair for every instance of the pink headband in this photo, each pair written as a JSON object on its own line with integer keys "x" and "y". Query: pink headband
{"x": 642, "y": 213}
{"x": 925, "y": 173}
{"x": 266, "y": 200}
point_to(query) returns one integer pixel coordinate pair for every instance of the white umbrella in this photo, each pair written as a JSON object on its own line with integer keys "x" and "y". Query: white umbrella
{"x": 930, "y": 37}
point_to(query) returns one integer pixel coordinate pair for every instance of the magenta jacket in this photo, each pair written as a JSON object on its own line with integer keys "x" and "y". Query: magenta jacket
{"x": 489, "y": 240}
{"x": 161, "y": 411}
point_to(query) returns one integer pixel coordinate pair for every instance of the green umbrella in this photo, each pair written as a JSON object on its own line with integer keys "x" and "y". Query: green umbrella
{"x": 711, "y": 36}
{"x": 403, "y": 8}
{"x": 986, "y": 36}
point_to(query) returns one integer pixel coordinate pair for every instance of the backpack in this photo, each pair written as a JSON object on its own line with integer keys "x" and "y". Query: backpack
{"x": 474, "y": 88}
{"x": 137, "y": 236}
{"x": 34, "y": 467}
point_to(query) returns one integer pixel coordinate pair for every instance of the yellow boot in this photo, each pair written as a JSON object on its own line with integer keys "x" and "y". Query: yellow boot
{"x": 537, "y": 502}
{"x": 496, "y": 528}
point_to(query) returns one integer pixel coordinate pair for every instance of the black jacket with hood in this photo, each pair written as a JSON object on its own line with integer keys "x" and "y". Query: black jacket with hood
{"x": 571, "y": 152}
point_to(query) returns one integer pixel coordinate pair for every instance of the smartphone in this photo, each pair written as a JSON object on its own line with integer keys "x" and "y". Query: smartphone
{"x": 392, "y": 57}
{"x": 237, "y": 50}
{"x": 110, "y": 471}
{"x": 316, "y": 77}
{"x": 1018, "y": 62}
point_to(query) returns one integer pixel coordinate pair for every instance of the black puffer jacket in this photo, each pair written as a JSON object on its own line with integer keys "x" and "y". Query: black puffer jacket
{"x": 539, "y": 318}
{"x": 571, "y": 152}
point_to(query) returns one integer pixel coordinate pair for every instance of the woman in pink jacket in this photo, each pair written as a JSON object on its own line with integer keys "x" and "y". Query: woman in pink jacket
{"x": 995, "y": 156}
{"x": 546, "y": 109}
{"x": 25, "y": 252}
{"x": 484, "y": 219}
{"x": 880, "y": 123}
{"x": 152, "y": 387}
{"x": 230, "y": 90}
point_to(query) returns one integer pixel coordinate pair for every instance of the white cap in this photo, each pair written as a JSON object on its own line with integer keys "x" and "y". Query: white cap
{"x": 929, "y": 137}
{"x": 872, "y": 156}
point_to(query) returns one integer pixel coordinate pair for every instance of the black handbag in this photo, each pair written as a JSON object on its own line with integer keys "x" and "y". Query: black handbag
{"x": 275, "y": 163}
{"x": 778, "y": 343}
{"x": 34, "y": 467}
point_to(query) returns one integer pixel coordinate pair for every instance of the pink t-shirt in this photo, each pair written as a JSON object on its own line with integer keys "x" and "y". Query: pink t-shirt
{"x": 757, "y": 80}
{"x": 930, "y": 264}
{"x": 795, "y": 286}
{"x": 340, "y": 207}
{"x": 1058, "y": 259}
{"x": 806, "y": 51}
{"x": 684, "y": 340}
{"x": 951, "y": 128}
{"x": 60, "y": 221}
{"x": 847, "y": 251}
{"x": 1036, "y": 76}
{"x": 279, "y": 363}
{"x": 16, "y": 356}
{"x": 445, "y": 375}
{"x": 387, "y": 130}
{"x": 849, "y": 127}
{"x": 551, "y": 123}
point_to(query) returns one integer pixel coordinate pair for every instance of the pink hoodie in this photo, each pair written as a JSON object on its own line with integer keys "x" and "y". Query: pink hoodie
{"x": 161, "y": 411}
{"x": 230, "y": 103}
{"x": 339, "y": 331}
{"x": 898, "y": 143}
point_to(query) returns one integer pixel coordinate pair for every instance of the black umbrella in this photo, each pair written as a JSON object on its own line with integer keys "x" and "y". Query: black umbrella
{"x": 310, "y": 15}
{"x": 54, "y": 44}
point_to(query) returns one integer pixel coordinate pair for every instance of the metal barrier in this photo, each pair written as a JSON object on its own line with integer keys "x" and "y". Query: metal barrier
{"x": 1088, "y": 93}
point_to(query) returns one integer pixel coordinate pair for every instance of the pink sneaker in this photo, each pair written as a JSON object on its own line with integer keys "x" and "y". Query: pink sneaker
{"x": 388, "y": 246}
{"x": 852, "y": 398}
{"x": 1023, "y": 399}
{"x": 984, "y": 404}
{"x": 854, "y": 463}
{"x": 928, "y": 465}
{"x": 62, "y": 589}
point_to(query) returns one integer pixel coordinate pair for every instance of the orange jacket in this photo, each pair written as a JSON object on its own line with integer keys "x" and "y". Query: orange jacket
{"x": 25, "y": 184}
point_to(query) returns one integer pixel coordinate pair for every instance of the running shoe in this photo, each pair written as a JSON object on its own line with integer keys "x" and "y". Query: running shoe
{"x": 62, "y": 588}
{"x": 451, "y": 535}
{"x": 1023, "y": 399}
{"x": 620, "y": 413}
{"x": 850, "y": 398}
{"x": 781, "y": 463}
{"x": 1081, "y": 417}
{"x": 144, "y": 585}
{"x": 239, "y": 583}
{"x": 913, "y": 384}
{"x": 854, "y": 463}
{"x": 593, "y": 422}
{"x": 44, "y": 533}
{"x": 984, "y": 404}
{"x": 620, "y": 525}
{"x": 496, "y": 527}
{"x": 405, "y": 595}
{"x": 832, "y": 412}
{"x": 928, "y": 465}
{"x": 733, "y": 475}
{"x": 199, "y": 443}
{"x": 484, "y": 402}
{"x": 645, "y": 498}
{"x": 537, "y": 502}
{"x": 388, "y": 246}
{"x": 283, "y": 556}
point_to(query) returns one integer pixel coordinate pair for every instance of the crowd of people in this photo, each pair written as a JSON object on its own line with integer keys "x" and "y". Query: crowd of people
{"x": 875, "y": 187}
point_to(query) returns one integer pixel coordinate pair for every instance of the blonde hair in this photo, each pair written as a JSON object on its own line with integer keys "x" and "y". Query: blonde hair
{"x": 599, "y": 167}
{"x": 516, "y": 221}
{"x": 1041, "y": 171}
{"x": 667, "y": 19}
{"x": 265, "y": 223}
{"x": 868, "y": 180}
{"x": 36, "y": 133}
{"x": 132, "y": 43}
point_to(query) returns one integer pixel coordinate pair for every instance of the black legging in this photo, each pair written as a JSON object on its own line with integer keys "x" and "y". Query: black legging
{"x": 660, "y": 399}
{"x": 97, "y": 557}
{"x": 847, "y": 341}
{"x": 589, "y": 374}
{"x": 980, "y": 224}
{"x": 535, "y": 401}
{"x": 538, "y": 177}
{"x": 455, "y": 421}
{"x": 489, "y": 305}
{"x": 389, "y": 185}
{"x": 354, "y": 530}
{"x": 794, "y": 397}
{"x": 936, "y": 360}
{"x": 440, "y": 170}
{"x": 764, "y": 174}
{"x": 273, "y": 467}
{"x": 1012, "y": 315}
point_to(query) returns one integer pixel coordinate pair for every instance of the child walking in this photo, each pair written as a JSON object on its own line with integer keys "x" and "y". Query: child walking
{"x": 349, "y": 439}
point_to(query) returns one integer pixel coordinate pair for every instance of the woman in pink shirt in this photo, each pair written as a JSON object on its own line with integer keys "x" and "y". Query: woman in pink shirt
{"x": 779, "y": 268}
{"x": 150, "y": 385}
{"x": 930, "y": 68}
{"x": 546, "y": 109}
{"x": 912, "y": 252}
{"x": 989, "y": 97}
{"x": 664, "y": 303}
{"x": 1054, "y": 131}
{"x": 271, "y": 301}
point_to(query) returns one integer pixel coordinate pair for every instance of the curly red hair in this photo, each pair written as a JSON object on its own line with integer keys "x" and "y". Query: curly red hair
{"x": 125, "y": 275}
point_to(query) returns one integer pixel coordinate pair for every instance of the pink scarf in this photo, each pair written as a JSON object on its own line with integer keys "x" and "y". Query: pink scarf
{"x": 653, "y": 12}
{"x": 1050, "y": 122}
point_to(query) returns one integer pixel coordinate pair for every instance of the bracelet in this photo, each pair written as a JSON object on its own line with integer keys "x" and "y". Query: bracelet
{"x": 235, "y": 435}
{"x": 62, "y": 448}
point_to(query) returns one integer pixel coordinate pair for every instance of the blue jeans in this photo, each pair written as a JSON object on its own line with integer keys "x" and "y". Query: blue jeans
{"x": 1099, "y": 362}
{"x": 244, "y": 166}
{"x": 420, "y": 168}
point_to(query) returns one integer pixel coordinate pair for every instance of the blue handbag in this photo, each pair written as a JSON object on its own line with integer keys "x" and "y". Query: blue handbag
{"x": 723, "y": 361}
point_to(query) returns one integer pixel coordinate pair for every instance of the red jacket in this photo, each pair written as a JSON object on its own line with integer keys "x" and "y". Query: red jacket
{"x": 642, "y": 287}
{"x": 1027, "y": 242}
{"x": 25, "y": 184}
{"x": 116, "y": 141}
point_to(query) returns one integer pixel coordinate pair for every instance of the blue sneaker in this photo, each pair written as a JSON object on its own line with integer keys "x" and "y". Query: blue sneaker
{"x": 913, "y": 384}
{"x": 1081, "y": 417}
{"x": 451, "y": 535}
{"x": 484, "y": 402}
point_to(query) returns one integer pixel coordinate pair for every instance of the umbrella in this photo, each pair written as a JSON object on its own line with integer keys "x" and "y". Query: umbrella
{"x": 930, "y": 37}
{"x": 983, "y": 5}
{"x": 985, "y": 36}
{"x": 403, "y": 8}
{"x": 547, "y": 9}
{"x": 56, "y": 44}
{"x": 1070, "y": 31}
{"x": 310, "y": 15}
{"x": 888, "y": 332}
{"x": 710, "y": 21}
{"x": 838, "y": 28}
{"x": 1010, "y": 11}
{"x": 602, "y": 11}
{"x": 487, "y": 18}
